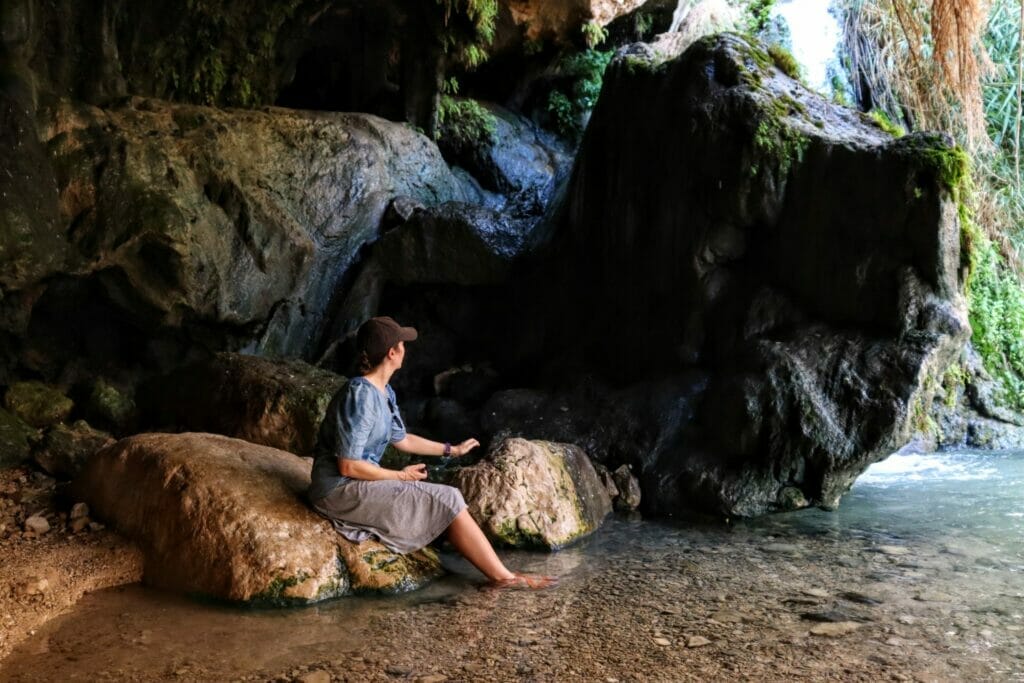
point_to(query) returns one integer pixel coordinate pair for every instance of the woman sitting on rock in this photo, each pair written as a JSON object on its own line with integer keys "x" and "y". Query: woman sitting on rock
{"x": 365, "y": 500}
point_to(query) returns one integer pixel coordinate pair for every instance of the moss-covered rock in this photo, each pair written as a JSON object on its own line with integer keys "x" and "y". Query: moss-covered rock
{"x": 38, "y": 404}
{"x": 110, "y": 405}
{"x": 227, "y": 519}
{"x": 273, "y": 402}
{"x": 535, "y": 494}
{"x": 65, "y": 449}
{"x": 16, "y": 439}
{"x": 794, "y": 270}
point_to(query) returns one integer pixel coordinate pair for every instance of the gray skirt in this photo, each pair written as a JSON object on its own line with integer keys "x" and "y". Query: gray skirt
{"x": 403, "y": 515}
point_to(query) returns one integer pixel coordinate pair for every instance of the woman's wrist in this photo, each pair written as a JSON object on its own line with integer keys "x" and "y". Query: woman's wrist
{"x": 446, "y": 450}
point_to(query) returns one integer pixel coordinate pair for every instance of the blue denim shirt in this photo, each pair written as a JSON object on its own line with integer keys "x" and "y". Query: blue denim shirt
{"x": 359, "y": 424}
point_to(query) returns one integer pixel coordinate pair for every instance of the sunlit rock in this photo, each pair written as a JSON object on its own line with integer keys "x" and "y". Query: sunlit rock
{"x": 535, "y": 494}
{"x": 225, "y": 518}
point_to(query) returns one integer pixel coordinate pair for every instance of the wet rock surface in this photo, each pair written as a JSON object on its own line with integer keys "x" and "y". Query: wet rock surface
{"x": 178, "y": 230}
{"x": 227, "y": 519}
{"x": 272, "y": 402}
{"x": 534, "y": 494}
{"x": 820, "y": 286}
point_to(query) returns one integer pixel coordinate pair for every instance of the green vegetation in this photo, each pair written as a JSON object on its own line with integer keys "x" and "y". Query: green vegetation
{"x": 785, "y": 60}
{"x": 568, "y": 103}
{"x": 593, "y": 34}
{"x": 882, "y": 120}
{"x": 220, "y": 55}
{"x": 468, "y": 29}
{"x": 464, "y": 124}
{"x": 997, "y": 318}
{"x": 758, "y": 14}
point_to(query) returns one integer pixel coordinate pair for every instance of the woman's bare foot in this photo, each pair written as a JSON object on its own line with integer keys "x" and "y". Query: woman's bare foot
{"x": 525, "y": 582}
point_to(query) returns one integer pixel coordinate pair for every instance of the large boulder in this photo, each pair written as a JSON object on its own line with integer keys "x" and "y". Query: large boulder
{"x": 534, "y": 494}
{"x": 192, "y": 226}
{"x": 227, "y": 519}
{"x": 801, "y": 264}
{"x": 273, "y": 402}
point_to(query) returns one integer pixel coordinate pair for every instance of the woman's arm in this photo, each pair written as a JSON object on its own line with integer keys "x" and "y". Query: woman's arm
{"x": 367, "y": 471}
{"x": 417, "y": 445}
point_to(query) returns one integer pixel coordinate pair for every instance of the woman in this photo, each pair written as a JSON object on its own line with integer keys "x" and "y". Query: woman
{"x": 364, "y": 500}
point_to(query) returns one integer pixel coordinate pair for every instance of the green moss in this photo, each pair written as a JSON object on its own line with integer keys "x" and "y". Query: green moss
{"x": 38, "y": 404}
{"x": 777, "y": 145}
{"x": 510, "y": 534}
{"x": 786, "y": 62}
{"x": 996, "y": 311}
{"x": 950, "y": 166}
{"x": 954, "y": 379}
{"x": 882, "y": 120}
{"x": 464, "y": 124}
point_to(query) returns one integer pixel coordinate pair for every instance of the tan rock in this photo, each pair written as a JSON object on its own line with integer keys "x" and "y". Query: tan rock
{"x": 835, "y": 629}
{"x": 37, "y": 524}
{"x": 535, "y": 493}
{"x": 225, "y": 518}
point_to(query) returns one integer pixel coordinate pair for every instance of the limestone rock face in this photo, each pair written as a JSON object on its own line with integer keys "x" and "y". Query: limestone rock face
{"x": 232, "y": 226}
{"x": 534, "y": 494}
{"x": 273, "y": 402}
{"x": 800, "y": 261}
{"x": 225, "y": 518}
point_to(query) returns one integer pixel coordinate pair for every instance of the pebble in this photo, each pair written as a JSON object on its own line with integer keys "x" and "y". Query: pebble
{"x": 37, "y": 524}
{"x": 816, "y": 592}
{"x": 784, "y": 548}
{"x": 835, "y": 629}
{"x": 78, "y": 524}
{"x": 96, "y": 526}
{"x": 697, "y": 641}
{"x": 728, "y": 617}
{"x": 315, "y": 677}
{"x": 79, "y": 510}
{"x": 662, "y": 641}
{"x": 432, "y": 678}
{"x": 893, "y": 550}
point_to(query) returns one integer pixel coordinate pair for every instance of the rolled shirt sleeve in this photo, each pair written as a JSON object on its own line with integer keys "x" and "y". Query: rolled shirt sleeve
{"x": 397, "y": 424}
{"x": 355, "y": 421}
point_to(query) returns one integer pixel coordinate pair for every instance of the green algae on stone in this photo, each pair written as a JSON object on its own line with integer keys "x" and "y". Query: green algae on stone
{"x": 38, "y": 404}
{"x": 785, "y": 60}
{"x": 109, "y": 403}
{"x": 16, "y": 439}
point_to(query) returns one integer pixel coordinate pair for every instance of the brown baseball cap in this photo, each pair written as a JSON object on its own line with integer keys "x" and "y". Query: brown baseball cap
{"x": 377, "y": 335}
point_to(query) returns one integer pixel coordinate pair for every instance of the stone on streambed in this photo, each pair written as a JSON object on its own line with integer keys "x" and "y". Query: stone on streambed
{"x": 273, "y": 402}
{"x": 227, "y": 519}
{"x": 535, "y": 493}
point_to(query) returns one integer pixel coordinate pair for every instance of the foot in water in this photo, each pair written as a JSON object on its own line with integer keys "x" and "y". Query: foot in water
{"x": 525, "y": 582}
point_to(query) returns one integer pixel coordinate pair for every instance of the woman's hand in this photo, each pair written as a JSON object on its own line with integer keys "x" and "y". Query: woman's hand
{"x": 413, "y": 473}
{"x": 464, "y": 447}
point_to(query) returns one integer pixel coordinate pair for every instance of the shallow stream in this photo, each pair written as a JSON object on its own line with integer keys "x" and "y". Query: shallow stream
{"x": 920, "y": 575}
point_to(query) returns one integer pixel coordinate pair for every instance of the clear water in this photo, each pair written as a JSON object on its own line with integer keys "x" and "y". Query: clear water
{"x": 936, "y": 540}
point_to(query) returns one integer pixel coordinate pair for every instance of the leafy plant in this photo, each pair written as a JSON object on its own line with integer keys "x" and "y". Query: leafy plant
{"x": 569, "y": 103}
{"x": 463, "y": 124}
{"x": 593, "y": 34}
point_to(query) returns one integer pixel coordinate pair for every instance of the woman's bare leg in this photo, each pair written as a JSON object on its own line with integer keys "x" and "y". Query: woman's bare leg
{"x": 468, "y": 539}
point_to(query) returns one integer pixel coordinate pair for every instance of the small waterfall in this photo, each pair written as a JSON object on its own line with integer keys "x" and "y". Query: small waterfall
{"x": 683, "y": 8}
